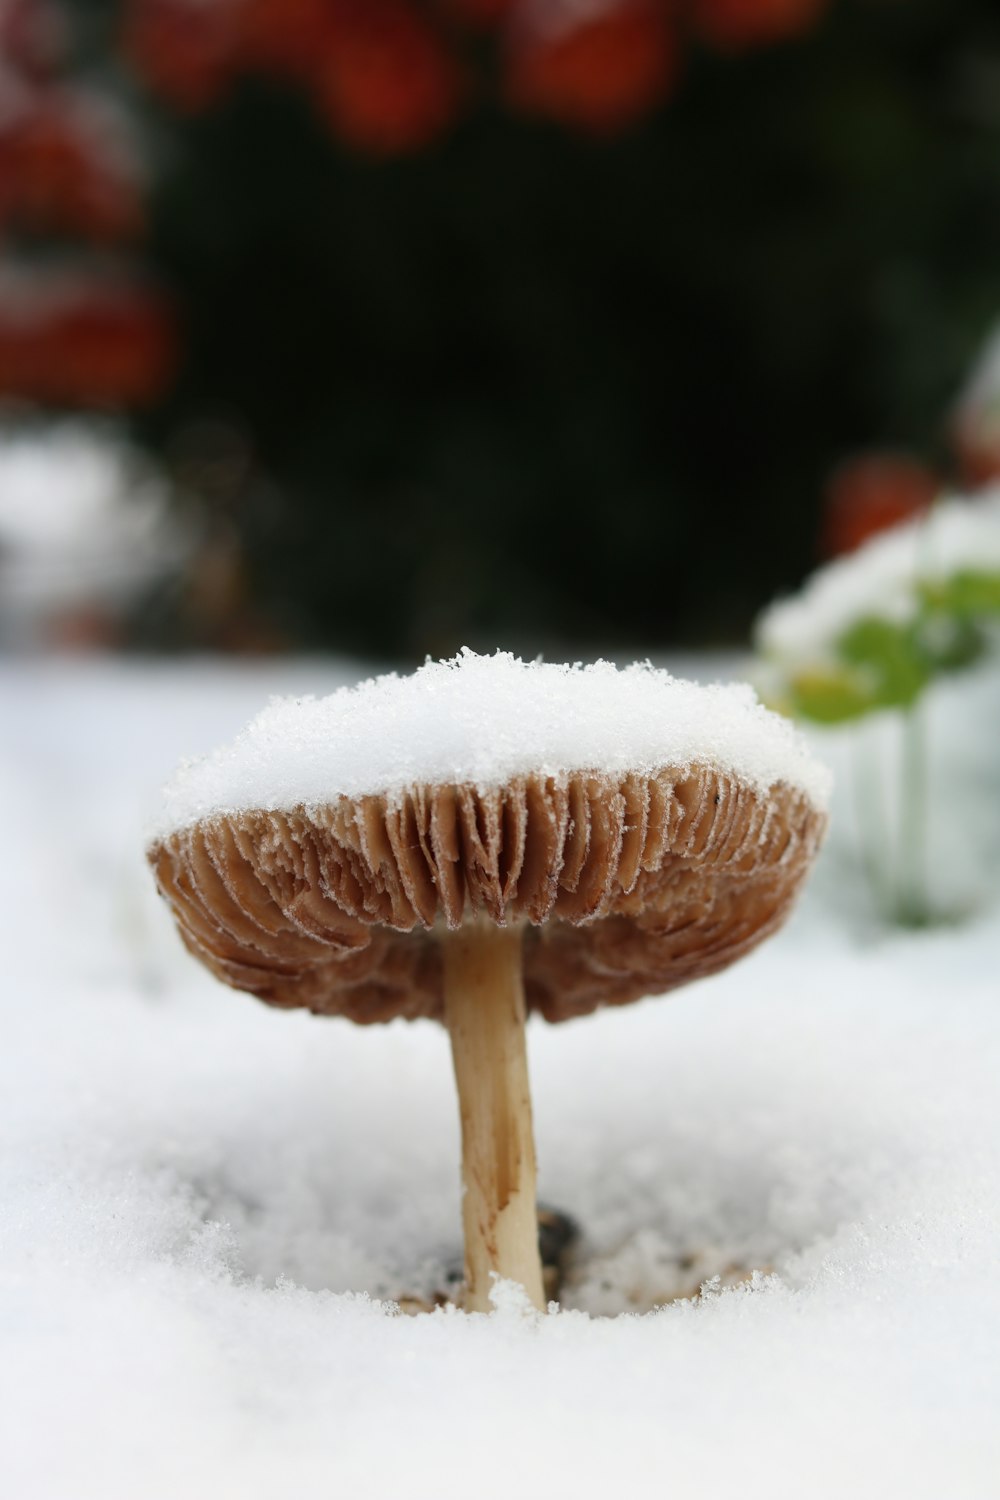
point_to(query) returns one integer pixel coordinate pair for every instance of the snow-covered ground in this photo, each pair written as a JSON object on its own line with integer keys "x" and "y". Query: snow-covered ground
{"x": 206, "y": 1206}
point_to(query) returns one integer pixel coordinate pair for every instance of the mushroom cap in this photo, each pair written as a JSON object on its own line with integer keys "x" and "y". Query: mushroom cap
{"x": 627, "y": 883}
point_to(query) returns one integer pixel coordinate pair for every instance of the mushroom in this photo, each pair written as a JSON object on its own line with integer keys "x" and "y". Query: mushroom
{"x": 483, "y": 840}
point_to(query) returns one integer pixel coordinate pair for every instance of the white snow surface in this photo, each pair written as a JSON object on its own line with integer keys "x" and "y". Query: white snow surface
{"x": 484, "y": 720}
{"x": 882, "y": 577}
{"x": 206, "y": 1206}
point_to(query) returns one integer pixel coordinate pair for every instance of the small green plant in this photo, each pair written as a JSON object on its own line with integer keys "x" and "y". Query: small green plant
{"x": 872, "y": 632}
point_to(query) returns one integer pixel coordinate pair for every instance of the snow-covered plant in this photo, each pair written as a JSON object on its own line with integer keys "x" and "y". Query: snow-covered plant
{"x": 871, "y": 632}
{"x": 84, "y": 523}
{"x": 873, "y": 629}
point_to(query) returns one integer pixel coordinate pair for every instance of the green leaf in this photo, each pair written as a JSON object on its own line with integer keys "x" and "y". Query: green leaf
{"x": 829, "y": 697}
{"x": 889, "y": 662}
{"x": 967, "y": 594}
{"x": 948, "y": 641}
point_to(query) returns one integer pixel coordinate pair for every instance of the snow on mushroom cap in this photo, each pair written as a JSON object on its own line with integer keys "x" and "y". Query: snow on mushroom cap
{"x": 484, "y": 720}
{"x": 881, "y": 578}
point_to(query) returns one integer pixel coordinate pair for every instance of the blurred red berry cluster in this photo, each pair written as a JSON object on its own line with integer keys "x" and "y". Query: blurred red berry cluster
{"x": 379, "y": 70}
{"x": 77, "y": 325}
{"x": 391, "y": 75}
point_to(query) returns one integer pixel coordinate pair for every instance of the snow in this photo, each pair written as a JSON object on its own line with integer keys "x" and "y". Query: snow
{"x": 82, "y": 516}
{"x": 485, "y": 720}
{"x": 881, "y": 579}
{"x": 207, "y": 1204}
{"x": 978, "y": 400}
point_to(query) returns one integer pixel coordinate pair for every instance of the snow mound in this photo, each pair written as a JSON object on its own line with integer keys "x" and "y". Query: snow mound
{"x": 209, "y": 1206}
{"x": 883, "y": 577}
{"x": 484, "y": 720}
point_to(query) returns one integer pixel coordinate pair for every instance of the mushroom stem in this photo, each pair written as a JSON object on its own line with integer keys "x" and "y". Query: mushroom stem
{"x": 485, "y": 1014}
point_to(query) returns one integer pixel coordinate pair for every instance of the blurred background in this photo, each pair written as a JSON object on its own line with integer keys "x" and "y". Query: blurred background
{"x": 385, "y": 326}
{"x": 337, "y": 333}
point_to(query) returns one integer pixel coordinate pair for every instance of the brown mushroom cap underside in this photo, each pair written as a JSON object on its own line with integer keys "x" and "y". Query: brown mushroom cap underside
{"x": 627, "y": 885}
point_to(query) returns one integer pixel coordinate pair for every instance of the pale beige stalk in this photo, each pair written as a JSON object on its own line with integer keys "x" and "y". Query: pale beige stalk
{"x": 485, "y": 1015}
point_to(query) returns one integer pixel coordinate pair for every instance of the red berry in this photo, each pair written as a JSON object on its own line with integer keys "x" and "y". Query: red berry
{"x": 284, "y": 36}
{"x": 731, "y": 25}
{"x": 387, "y": 82}
{"x": 871, "y": 493}
{"x": 185, "y": 49}
{"x": 68, "y": 163}
{"x": 599, "y": 66}
{"x": 82, "y": 341}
